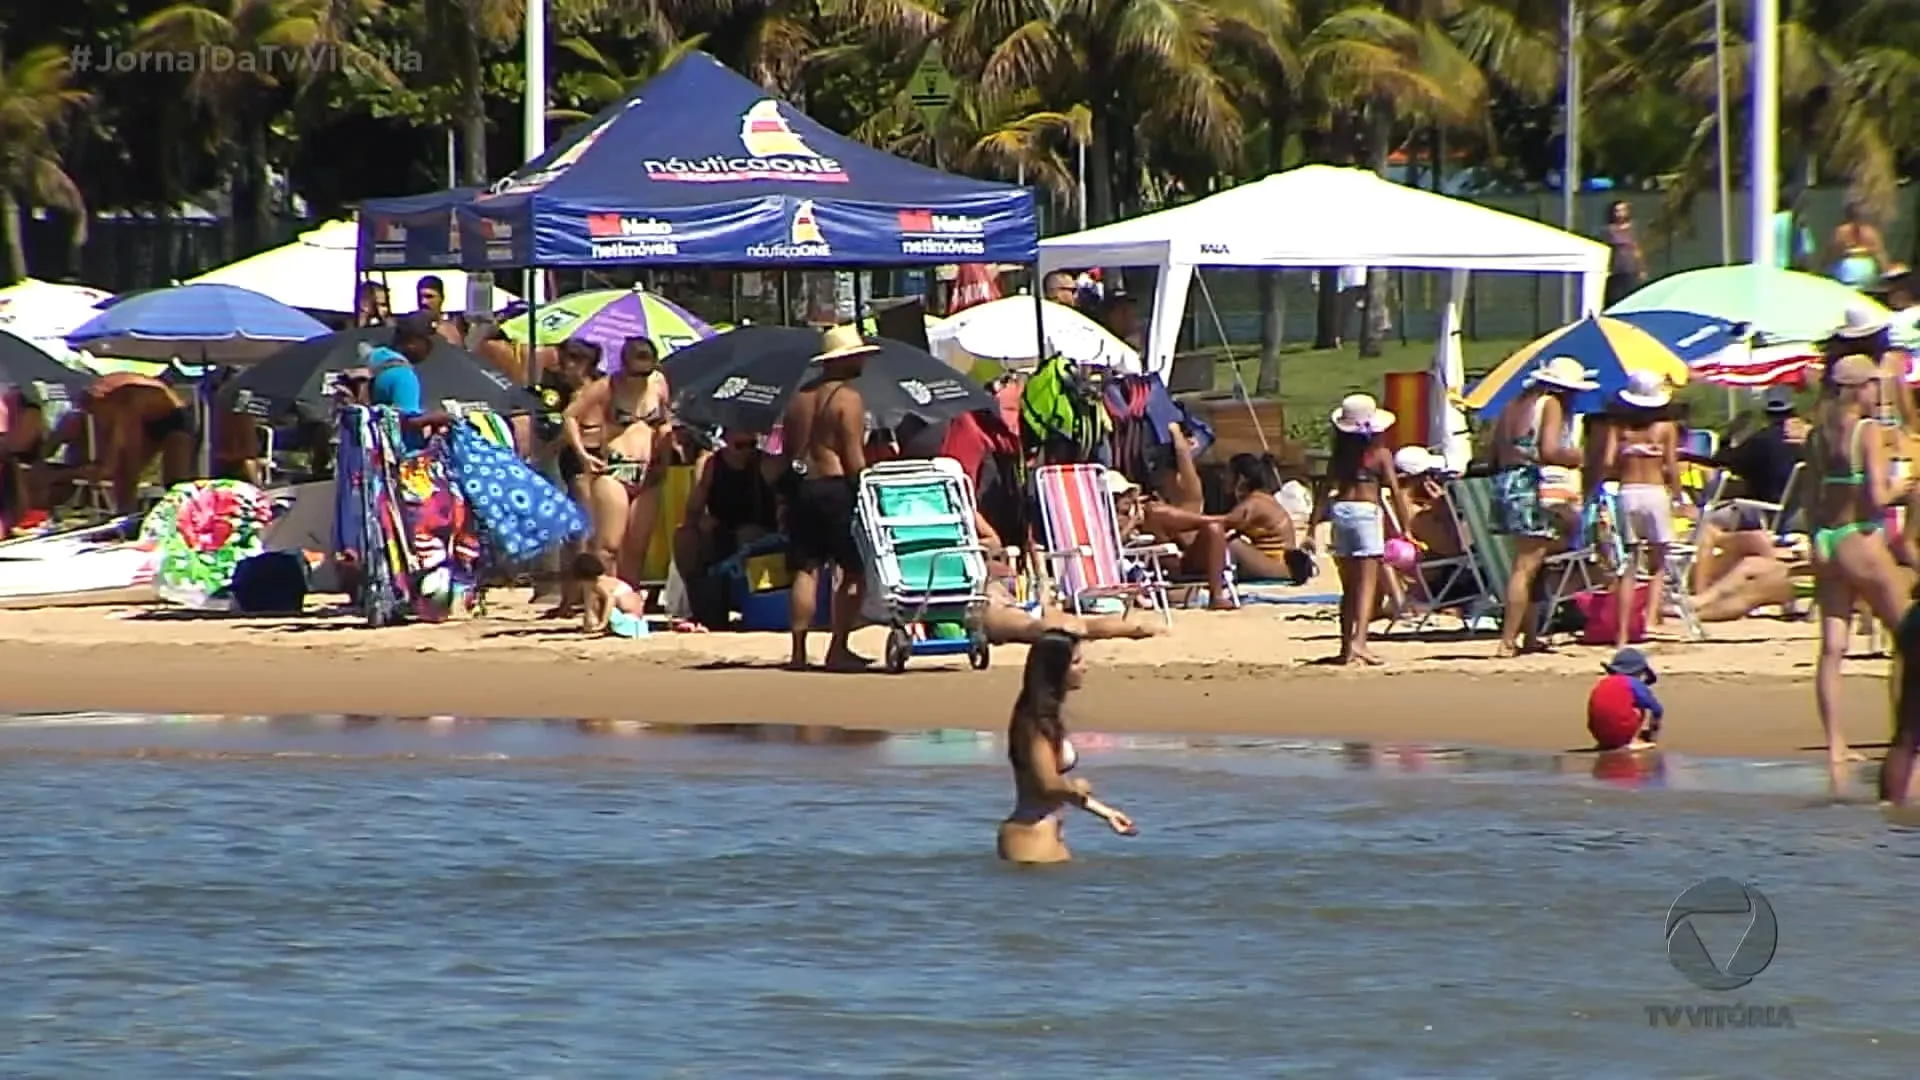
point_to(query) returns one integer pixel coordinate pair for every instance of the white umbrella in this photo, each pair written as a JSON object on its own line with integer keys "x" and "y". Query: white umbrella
{"x": 316, "y": 273}
{"x": 1005, "y": 331}
{"x": 45, "y": 312}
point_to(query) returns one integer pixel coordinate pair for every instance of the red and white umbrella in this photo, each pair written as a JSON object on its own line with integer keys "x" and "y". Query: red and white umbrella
{"x": 1757, "y": 367}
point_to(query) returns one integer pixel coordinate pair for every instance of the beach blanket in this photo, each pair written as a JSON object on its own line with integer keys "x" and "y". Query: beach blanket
{"x": 520, "y": 512}
{"x": 202, "y": 529}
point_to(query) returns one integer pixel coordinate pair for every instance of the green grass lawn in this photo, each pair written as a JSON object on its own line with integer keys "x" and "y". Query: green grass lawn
{"x": 1312, "y": 381}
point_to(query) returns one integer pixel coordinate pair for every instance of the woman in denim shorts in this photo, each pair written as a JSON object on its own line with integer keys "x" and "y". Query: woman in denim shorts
{"x": 1360, "y": 468}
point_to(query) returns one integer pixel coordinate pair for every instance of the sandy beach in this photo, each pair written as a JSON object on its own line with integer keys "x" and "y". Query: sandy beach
{"x": 1745, "y": 692}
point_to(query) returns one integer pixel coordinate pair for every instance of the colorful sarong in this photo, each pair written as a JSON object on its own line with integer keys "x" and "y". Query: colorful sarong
{"x": 402, "y": 521}
{"x": 202, "y": 529}
{"x": 522, "y": 514}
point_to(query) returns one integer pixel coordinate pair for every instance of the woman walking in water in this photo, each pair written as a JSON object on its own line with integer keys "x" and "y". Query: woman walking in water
{"x": 1643, "y": 449}
{"x": 1359, "y": 468}
{"x": 1042, "y": 755}
{"x": 617, "y": 427}
{"x": 1851, "y": 564}
{"x": 1532, "y": 431}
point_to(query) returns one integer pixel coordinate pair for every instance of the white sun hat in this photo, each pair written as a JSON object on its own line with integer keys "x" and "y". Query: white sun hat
{"x": 1645, "y": 390}
{"x": 1359, "y": 414}
{"x": 1565, "y": 373}
{"x": 1417, "y": 461}
{"x": 1860, "y": 322}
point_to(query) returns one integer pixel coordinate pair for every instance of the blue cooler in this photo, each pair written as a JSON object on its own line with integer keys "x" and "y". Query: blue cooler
{"x": 766, "y": 609}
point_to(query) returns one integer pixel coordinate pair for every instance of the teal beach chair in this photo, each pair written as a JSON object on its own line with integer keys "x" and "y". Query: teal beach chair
{"x": 926, "y": 570}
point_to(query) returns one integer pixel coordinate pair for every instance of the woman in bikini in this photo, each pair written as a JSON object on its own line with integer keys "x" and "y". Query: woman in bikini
{"x": 1643, "y": 449}
{"x": 615, "y": 425}
{"x": 1042, "y": 755}
{"x": 1532, "y": 431}
{"x": 1851, "y": 562}
{"x": 1857, "y": 253}
{"x": 1361, "y": 473}
{"x": 1261, "y": 540}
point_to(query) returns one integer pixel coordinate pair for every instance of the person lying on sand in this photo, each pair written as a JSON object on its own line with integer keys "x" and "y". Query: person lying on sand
{"x": 1007, "y": 621}
{"x": 612, "y": 605}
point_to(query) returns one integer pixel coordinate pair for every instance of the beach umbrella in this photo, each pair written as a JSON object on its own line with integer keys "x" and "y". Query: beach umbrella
{"x": 1608, "y": 347}
{"x": 608, "y": 317}
{"x": 301, "y": 378}
{"x": 744, "y": 379}
{"x": 1780, "y": 305}
{"x": 25, "y": 365}
{"x": 220, "y": 324}
{"x": 317, "y": 272}
{"x": 45, "y": 312}
{"x": 1006, "y": 331}
{"x": 1693, "y": 338}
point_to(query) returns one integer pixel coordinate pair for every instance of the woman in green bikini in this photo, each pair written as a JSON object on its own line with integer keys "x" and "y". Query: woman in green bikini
{"x": 1852, "y": 561}
{"x": 619, "y": 426}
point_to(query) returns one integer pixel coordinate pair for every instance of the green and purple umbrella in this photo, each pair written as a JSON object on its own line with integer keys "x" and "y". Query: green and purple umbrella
{"x": 608, "y": 317}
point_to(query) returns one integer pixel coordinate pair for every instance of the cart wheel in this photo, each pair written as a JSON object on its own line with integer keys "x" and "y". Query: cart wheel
{"x": 899, "y": 647}
{"x": 980, "y": 654}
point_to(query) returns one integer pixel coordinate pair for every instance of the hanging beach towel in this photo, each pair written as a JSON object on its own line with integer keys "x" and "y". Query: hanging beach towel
{"x": 442, "y": 537}
{"x": 202, "y": 530}
{"x": 522, "y": 514}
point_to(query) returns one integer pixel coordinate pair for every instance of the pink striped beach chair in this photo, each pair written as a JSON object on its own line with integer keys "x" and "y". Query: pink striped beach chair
{"x": 1088, "y": 558}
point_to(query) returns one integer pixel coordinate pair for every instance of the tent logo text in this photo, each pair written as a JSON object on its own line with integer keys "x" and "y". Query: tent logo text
{"x": 923, "y": 232}
{"x": 773, "y": 152}
{"x": 389, "y": 243}
{"x": 804, "y": 238}
{"x": 625, "y": 236}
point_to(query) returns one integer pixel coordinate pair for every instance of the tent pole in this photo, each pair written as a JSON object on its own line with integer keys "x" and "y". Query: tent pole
{"x": 1570, "y": 163}
{"x": 533, "y": 329}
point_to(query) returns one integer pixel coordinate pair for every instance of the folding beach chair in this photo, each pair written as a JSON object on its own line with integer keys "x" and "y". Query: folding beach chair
{"x": 1083, "y": 549}
{"x": 1569, "y": 572}
{"x": 1453, "y": 583}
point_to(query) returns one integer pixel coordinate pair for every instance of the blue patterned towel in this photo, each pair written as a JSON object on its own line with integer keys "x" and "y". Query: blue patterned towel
{"x": 524, "y": 516}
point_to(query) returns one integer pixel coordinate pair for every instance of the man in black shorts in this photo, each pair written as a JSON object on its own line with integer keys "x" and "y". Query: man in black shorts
{"x": 825, "y": 434}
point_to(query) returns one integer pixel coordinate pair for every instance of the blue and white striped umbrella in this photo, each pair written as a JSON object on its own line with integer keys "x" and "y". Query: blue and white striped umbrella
{"x": 220, "y": 324}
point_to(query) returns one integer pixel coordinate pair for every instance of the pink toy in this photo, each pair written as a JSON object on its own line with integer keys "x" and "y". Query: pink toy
{"x": 1402, "y": 555}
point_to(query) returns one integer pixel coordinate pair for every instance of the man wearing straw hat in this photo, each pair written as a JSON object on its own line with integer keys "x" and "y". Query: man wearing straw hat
{"x": 825, "y": 429}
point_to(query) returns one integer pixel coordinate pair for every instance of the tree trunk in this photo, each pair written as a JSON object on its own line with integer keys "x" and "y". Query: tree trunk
{"x": 1273, "y": 312}
{"x": 1335, "y": 146}
{"x": 473, "y": 105}
{"x": 244, "y": 196}
{"x": 10, "y": 226}
{"x": 1100, "y": 180}
{"x": 1373, "y": 321}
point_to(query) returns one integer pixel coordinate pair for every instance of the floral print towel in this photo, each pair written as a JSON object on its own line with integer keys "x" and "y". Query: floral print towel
{"x": 202, "y": 529}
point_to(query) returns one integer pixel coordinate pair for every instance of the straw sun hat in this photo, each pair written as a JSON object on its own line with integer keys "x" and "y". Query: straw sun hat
{"x": 1854, "y": 370}
{"x": 1645, "y": 390}
{"x": 843, "y": 343}
{"x": 1563, "y": 373}
{"x": 1359, "y": 414}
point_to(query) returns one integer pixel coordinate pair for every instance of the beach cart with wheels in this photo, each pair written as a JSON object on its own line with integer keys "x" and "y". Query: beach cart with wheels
{"x": 926, "y": 570}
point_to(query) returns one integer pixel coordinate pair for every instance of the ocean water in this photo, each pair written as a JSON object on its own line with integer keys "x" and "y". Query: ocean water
{"x": 353, "y": 898}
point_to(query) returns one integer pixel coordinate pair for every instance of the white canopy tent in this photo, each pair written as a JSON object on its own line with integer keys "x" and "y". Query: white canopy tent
{"x": 317, "y": 273}
{"x": 1323, "y": 215}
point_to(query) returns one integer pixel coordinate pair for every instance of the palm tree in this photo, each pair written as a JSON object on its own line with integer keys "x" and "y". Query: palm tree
{"x": 607, "y": 82}
{"x": 1389, "y": 62}
{"x": 36, "y": 101}
{"x": 264, "y": 42}
{"x": 1148, "y": 73}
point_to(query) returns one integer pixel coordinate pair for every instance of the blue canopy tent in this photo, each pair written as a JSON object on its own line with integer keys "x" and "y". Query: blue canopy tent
{"x": 700, "y": 166}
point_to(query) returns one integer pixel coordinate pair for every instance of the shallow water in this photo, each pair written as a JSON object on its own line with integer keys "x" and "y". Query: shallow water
{"x": 332, "y": 897}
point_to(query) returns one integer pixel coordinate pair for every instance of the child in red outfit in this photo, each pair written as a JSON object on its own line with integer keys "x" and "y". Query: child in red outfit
{"x": 1622, "y": 713}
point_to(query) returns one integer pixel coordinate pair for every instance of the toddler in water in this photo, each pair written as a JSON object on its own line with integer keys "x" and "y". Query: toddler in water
{"x": 1622, "y": 713}
{"x": 612, "y": 605}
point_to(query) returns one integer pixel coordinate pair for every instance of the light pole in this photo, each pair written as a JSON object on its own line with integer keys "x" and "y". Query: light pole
{"x": 1766, "y": 129}
{"x": 1570, "y": 163}
{"x": 534, "y": 137}
{"x": 1720, "y": 126}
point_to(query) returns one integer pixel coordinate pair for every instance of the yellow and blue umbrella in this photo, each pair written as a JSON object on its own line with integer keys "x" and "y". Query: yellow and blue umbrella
{"x": 1607, "y": 347}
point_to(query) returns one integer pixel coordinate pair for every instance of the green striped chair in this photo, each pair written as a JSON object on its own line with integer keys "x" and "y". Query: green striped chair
{"x": 1571, "y": 572}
